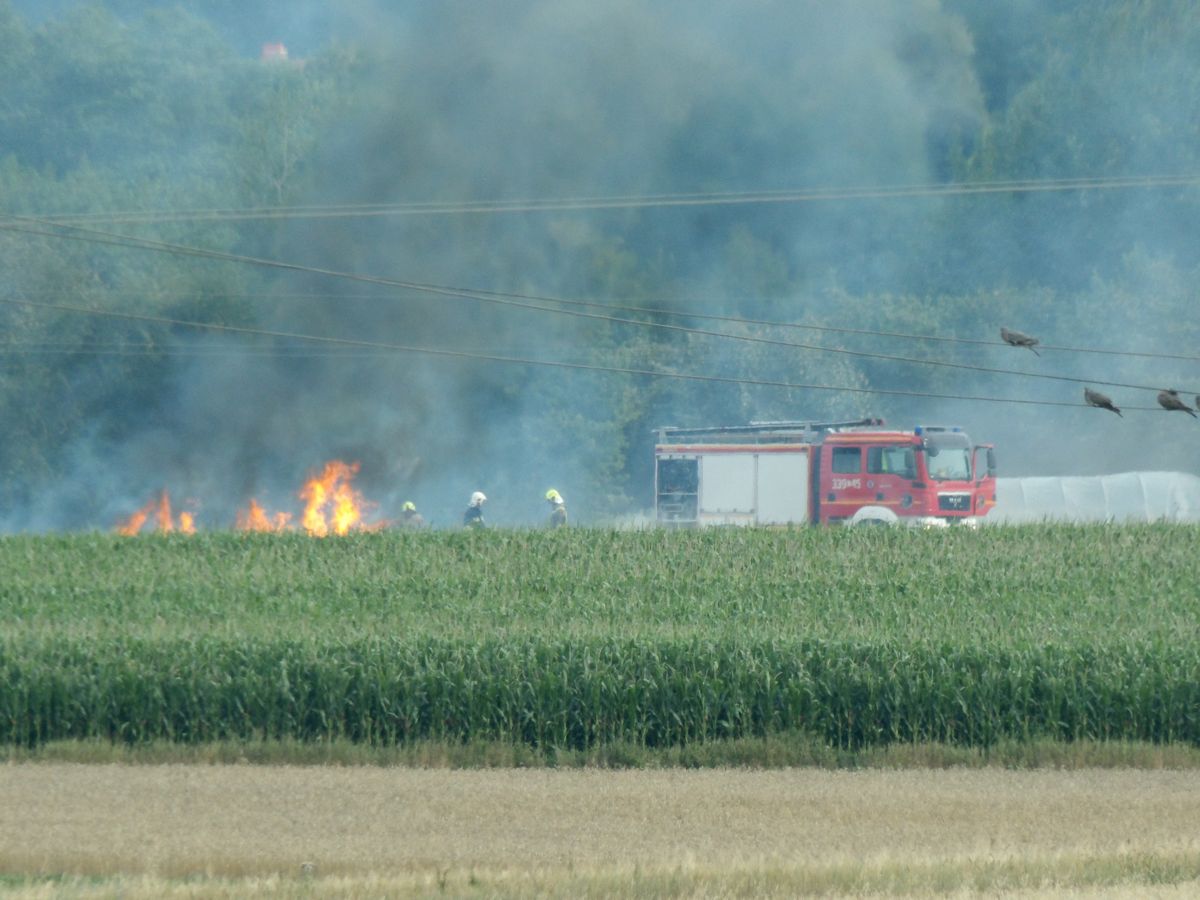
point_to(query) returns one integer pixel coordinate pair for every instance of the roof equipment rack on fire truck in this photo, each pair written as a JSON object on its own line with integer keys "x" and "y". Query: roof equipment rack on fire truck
{"x": 763, "y": 431}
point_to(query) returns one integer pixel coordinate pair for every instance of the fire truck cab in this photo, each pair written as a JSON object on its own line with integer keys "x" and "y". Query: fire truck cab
{"x": 791, "y": 473}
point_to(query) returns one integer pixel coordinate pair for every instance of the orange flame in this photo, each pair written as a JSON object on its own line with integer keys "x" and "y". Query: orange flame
{"x": 255, "y": 518}
{"x": 331, "y": 504}
{"x": 162, "y": 515}
{"x": 160, "y": 509}
{"x": 134, "y": 523}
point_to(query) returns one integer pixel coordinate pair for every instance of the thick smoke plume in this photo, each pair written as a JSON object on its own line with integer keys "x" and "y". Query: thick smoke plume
{"x": 454, "y": 102}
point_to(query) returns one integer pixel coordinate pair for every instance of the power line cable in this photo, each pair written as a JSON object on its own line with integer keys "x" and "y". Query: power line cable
{"x": 160, "y": 349}
{"x": 558, "y": 364}
{"x": 126, "y": 241}
{"x": 739, "y": 320}
{"x": 476, "y": 293}
{"x": 195, "y": 352}
{"x": 635, "y": 201}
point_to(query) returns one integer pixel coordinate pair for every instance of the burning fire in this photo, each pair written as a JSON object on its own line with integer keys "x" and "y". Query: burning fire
{"x": 331, "y": 503}
{"x": 331, "y": 506}
{"x": 160, "y": 509}
{"x": 255, "y": 518}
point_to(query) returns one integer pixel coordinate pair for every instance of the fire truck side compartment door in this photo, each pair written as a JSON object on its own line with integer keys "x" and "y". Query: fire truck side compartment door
{"x": 727, "y": 485}
{"x": 782, "y": 488}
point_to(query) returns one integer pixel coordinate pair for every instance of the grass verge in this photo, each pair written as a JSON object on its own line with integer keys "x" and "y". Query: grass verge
{"x": 1118, "y": 875}
{"x": 774, "y": 752}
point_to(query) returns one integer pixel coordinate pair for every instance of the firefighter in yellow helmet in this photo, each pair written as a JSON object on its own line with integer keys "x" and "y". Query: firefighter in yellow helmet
{"x": 410, "y": 518}
{"x": 558, "y": 508}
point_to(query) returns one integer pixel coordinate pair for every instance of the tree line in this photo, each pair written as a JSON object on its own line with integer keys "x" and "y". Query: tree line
{"x": 128, "y": 107}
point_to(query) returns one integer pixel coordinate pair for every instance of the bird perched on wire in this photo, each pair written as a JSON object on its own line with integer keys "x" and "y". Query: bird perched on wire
{"x": 1170, "y": 400}
{"x": 1019, "y": 339}
{"x": 1095, "y": 398}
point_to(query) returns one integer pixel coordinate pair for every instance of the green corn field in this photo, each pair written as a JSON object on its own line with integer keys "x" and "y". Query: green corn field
{"x": 578, "y": 638}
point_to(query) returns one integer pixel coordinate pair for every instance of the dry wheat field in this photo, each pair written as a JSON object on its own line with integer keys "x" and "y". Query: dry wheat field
{"x": 209, "y": 831}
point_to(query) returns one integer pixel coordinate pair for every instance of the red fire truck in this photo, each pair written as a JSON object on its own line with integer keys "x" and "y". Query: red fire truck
{"x": 788, "y": 473}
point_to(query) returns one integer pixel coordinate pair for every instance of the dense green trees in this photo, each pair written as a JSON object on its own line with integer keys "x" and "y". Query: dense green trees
{"x": 123, "y": 107}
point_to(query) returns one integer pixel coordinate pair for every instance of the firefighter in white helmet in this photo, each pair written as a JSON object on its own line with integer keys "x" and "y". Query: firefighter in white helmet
{"x": 558, "y": 508}
{"x": 473, "y": 517}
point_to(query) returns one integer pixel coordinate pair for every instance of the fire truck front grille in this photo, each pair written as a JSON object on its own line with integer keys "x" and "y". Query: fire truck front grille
{"x": 954, "y": 502}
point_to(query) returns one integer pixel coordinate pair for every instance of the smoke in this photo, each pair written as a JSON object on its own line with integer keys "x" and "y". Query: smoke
{"x": 531, "y": 99}
{"x": 537, "y": 100}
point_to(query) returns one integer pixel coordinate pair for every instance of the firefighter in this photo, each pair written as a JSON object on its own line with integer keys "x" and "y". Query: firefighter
{"x": 409, "y": 517}
{"x": 558, "y": 509}
{"x": 473, "y": 517}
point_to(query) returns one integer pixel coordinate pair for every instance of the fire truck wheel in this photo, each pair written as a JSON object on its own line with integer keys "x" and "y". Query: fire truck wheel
{"x": 874, "y": 515}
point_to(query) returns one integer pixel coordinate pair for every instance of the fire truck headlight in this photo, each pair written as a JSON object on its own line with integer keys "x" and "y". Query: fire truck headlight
{"x": 930, "y": 522}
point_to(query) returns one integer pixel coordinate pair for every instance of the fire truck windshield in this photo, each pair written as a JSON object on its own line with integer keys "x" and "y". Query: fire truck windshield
{"x": 948, "y": 457}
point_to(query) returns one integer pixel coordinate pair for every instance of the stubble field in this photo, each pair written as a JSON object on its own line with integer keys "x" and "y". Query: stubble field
{"x": 209, "y": 831}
